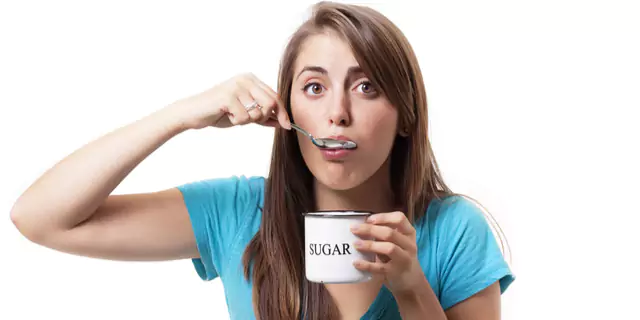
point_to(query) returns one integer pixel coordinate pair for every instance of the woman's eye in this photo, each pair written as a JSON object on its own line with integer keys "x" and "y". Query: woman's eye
{"x": 313, "y": 88}
{"x": 366, "y": 87}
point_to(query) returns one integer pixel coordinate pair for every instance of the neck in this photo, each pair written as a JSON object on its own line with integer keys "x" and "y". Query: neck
{"x": 373, "y": 195}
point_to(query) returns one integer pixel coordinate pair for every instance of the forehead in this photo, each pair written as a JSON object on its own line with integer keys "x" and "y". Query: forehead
{"x": 327, "y": 50}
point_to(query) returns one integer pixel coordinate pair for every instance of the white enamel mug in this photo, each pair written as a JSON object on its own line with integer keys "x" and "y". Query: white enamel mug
{"x": 329, "y": 247}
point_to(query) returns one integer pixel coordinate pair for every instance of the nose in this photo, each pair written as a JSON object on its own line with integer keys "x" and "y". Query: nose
{"x": 339, "y": 110}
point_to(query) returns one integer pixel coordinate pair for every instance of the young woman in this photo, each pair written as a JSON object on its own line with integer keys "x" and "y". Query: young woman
{"x": 347, "y": 72}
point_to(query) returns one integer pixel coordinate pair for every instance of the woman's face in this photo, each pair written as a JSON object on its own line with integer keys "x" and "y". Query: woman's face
{"x": 332, "y": 97}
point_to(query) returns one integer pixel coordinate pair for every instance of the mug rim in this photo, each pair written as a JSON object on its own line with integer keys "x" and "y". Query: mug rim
{"x": 327, "y": 213}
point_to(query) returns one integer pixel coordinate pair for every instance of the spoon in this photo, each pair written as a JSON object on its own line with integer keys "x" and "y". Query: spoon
{"x": 326, "y": 143}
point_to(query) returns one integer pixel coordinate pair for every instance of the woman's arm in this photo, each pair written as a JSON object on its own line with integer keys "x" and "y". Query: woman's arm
{"x": 484, "y": 305}
{"x": 70, "y": 207}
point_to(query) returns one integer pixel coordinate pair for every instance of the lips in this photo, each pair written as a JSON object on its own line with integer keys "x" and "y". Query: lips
{"x": 335, "y": 154}
{"x": 340, "y": 137}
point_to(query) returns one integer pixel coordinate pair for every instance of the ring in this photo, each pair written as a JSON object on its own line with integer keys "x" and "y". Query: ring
{"x": 252, "y": 106}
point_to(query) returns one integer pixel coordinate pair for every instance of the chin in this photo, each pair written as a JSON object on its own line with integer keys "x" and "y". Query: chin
{"x": 337, "y": 176}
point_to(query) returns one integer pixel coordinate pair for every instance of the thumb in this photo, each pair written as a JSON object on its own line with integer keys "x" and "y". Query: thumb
{"x": 282, "y": 116}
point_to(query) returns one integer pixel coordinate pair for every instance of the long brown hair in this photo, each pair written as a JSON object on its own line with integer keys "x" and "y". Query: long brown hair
{"x": 274, "y": 259}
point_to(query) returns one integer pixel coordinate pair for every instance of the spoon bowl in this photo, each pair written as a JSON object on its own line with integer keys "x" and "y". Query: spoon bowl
{"x": 326, "y": 143}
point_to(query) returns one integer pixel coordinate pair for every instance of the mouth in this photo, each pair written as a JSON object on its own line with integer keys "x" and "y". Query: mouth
{"x": 335, "y": 154}
{"x": 335, "y": 142}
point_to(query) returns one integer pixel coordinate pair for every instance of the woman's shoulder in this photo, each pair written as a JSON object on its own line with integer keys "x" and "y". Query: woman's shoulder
{"x": 460, "y": 241}
{"x": 454, "y": 210}
{"x": 224, "y": 214}
{"x": 230, "y": 181}
{"x": 226, "y": 202}
{"x": 458, "y": 224}
{"x": 230, "y": 188}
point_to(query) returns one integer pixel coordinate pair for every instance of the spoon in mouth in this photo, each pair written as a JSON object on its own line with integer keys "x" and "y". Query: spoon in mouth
{"x": 323, "y": 143}
{"x": 327, "y": 143}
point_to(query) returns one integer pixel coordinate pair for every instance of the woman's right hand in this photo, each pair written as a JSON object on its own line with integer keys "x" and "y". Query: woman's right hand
{"x": 225, "y": 105}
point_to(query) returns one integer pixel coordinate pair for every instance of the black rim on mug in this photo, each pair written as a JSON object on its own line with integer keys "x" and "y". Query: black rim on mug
{"x": 344, "y": 213}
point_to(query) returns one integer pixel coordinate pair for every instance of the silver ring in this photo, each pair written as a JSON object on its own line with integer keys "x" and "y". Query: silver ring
{"x": 252, "y": 106}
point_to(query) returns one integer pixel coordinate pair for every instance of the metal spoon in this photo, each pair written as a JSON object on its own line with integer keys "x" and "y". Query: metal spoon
{"x": 326, "y": 143}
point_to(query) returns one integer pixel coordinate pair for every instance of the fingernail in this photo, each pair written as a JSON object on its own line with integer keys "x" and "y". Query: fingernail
{"x": 354, "y": 227}
{"x": 357, "y": 244}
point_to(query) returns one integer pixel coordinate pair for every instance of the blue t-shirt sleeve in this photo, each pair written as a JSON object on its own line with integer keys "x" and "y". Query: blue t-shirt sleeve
{"x": 216, "y": 208}
{"x": 469, "y": 258}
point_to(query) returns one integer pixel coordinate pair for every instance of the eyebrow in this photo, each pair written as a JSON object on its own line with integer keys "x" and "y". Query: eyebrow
{"x": 350, "y": 72}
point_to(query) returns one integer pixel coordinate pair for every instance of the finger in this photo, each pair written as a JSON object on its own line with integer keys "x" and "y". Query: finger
{"x": 283, "y": 117}
{"x": 397, "y": 220}
{"x": 385, "y": 233}
{"x": 265, "y": 87}
{"x": 237, "y": 114}
{"x": 246, "y": 99}
{"x": 265, "y": 100}
{"x": 271, "y": 123}
{"x": 373, "y": 267}
{"x": 280, "y": 110}
{"x": 388, "y": 249}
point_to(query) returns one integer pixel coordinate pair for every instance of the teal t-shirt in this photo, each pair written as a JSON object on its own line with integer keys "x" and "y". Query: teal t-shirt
{"x": 456, "y": 247}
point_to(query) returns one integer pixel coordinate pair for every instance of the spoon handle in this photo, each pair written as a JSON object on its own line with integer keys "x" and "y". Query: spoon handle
{"x": 295, "y": 126}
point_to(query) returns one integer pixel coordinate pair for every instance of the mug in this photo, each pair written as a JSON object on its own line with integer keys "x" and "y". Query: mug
{"x": 329, "y": 246}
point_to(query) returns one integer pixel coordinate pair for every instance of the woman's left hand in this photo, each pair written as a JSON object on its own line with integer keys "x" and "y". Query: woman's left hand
{"x": 395, "y": 248}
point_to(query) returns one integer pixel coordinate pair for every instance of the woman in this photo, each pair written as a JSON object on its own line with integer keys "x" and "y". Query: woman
{"x": 347, "y": 72}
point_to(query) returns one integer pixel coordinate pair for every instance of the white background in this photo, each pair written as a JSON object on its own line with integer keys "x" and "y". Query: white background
{"x": 533, "y": 111}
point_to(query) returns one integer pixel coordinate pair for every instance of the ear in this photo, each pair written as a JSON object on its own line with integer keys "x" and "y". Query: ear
{"x": 403, "y": 132}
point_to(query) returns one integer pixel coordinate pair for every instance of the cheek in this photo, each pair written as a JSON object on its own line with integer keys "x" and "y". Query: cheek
{"x": 385, "y": 124}
{"x": 303, "y": 111}
{"x": 382, "y": 127}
